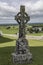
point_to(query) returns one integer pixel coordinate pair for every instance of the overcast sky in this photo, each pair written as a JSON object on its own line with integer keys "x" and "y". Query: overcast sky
{"x": 9, "y": 8}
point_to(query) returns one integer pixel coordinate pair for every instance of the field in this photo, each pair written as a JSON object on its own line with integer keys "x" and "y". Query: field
{"x": 11, "y": 30}
{"x": 7, "y": 47}
{"x": 15, "y": 30}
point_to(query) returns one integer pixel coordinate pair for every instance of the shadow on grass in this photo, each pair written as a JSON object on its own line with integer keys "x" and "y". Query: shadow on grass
{"x": 5, "y": 55}
{"x": 4, "y": 39}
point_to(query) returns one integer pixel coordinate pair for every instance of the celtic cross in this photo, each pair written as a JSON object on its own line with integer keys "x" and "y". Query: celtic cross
{"x": 22, "y": 18}
{"x": 22, "y": 53}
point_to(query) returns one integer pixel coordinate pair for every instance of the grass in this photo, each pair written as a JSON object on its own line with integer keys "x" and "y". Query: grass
{"x": 7, "y": 46}
{"x": 12, "y": 30}
{"x": 36, "y": 34}
{"x": 15, "y": 29}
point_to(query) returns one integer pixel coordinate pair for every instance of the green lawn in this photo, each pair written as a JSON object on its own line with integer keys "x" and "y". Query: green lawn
{"x": 12, "y": 30}
{"x": 36, "y": 34}
{"x": 15, "y": 29}
{"x": 7, "y": 46}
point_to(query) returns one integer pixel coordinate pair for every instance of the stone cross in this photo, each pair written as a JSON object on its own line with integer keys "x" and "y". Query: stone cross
{"x": 22, "y": 53}
{"x": 22, "y": 18}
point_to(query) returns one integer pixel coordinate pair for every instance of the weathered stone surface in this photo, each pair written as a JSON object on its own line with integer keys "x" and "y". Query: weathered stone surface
{"x": 22, "y": 58}
{"x": 22, "y": 53}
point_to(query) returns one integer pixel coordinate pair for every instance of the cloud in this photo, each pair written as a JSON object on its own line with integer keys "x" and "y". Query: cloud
{"x": 5, "y": 6}
{"x": 35, "y": 8}
{"x": 32, "y": 7}
{"x": 12, "y": 7}
{"x": 38, "y": 5}
{"x": 6, "y": 9}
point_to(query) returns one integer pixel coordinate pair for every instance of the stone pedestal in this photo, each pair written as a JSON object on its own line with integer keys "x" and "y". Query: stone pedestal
{"x": 22, "y": 53}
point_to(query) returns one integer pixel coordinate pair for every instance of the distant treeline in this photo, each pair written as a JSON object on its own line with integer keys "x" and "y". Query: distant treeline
{"x": 36, "y": 24}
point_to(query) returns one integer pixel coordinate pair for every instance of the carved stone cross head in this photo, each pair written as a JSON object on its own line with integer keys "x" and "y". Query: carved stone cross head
{"x": 22, "y": 16}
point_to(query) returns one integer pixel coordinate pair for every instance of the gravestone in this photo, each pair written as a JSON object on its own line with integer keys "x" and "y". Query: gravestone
{"x": 22, "y": 53}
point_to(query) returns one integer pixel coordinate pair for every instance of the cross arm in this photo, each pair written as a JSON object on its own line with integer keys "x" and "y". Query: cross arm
{"x": 18, "y": 17}
{"x": 27, "y": 18}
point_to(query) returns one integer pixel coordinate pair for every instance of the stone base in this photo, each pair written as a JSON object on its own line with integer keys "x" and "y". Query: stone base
{"x": 22, "y": 58}
{"x": 22, "y": 53}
